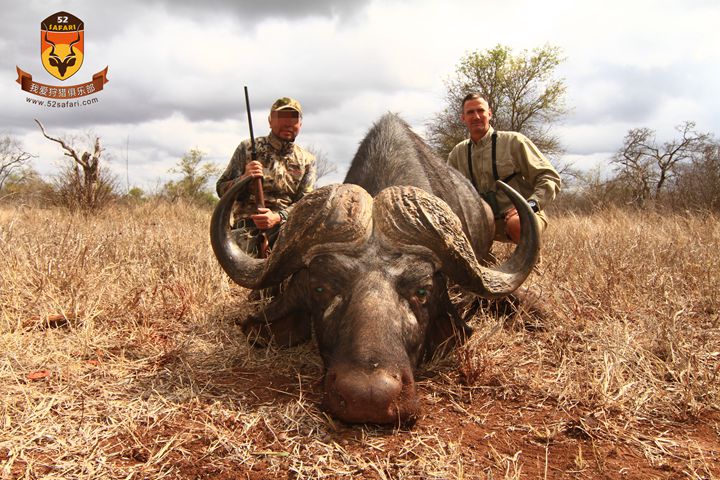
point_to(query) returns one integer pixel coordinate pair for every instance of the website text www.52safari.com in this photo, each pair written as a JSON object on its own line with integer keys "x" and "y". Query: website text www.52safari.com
{"x": 62, "y": 104}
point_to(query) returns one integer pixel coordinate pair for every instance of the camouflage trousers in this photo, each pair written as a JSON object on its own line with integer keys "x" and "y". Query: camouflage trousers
{"x": 249, "y": 240}
{"x": 248, "y": 237}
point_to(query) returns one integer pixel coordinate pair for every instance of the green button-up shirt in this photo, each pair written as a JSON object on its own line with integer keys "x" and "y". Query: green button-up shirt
{"x": 535, "y": 178}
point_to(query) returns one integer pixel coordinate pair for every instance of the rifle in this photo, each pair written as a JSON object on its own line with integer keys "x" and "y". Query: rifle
{"x": 259, "y": 195}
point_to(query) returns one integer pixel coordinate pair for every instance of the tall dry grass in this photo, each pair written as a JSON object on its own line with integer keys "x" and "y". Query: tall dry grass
{"x": 127, "y": 322}
{"x": 631, "y": 346}
{"x": 641, "y": 291}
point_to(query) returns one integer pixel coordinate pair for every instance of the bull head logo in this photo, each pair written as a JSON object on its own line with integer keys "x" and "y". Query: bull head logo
{"x": 62, "y": 45}
{"x": 62, "y": 64}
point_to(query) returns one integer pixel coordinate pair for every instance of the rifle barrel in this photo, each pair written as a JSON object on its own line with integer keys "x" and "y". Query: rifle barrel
{"x": 260, "y": 196}
{"x": 253, "y": 151}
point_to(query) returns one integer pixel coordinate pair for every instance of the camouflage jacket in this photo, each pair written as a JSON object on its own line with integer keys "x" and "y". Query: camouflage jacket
{"x": 289, "y": 173}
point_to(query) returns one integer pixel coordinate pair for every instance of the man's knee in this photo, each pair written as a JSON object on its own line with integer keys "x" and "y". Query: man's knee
{"x": 512, "y": 227}
{"x": 508, "y": 230}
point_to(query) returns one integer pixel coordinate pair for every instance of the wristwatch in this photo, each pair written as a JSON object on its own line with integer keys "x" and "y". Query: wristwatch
{"x": 533, "y": 204}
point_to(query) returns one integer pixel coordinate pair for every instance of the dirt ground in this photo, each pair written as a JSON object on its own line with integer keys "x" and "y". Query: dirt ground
{"x": 490, "y": 437}
{"x": 481, "y": 432}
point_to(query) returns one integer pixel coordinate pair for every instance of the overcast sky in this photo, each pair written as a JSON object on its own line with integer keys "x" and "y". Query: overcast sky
{"x": 177, "y": 68}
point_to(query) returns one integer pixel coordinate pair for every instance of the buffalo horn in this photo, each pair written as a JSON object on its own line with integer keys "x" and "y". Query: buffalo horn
{"x": 334, "y": 217}
{"x": 416, "y": 219}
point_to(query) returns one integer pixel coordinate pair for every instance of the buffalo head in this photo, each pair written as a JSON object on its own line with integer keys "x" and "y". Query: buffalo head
{"x": 371, "y": 275}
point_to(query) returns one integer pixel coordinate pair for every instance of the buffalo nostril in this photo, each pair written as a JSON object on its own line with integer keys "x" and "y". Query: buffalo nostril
{"x": 368, "y": 397}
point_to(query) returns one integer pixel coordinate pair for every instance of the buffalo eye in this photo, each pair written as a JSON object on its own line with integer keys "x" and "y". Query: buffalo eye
{"x": 421, "y": 295}
{"x": 320, "y": 290}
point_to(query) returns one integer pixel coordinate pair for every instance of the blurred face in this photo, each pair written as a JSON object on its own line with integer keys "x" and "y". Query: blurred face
{"x": 285, "y": 124}
{"x": 476, "y": 117}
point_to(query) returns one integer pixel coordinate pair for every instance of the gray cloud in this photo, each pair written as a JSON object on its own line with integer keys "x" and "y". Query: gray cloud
{"x": 251, "y": 10}
{"x": 635, "y": 94}
{"x": 154, "y": 74}
{"x": 177, "y": 68}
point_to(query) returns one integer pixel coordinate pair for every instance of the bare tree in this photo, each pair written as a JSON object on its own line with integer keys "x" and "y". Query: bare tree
{"x": 521, "y": 90}
{"x": 645, "y": 166}
{"x": 12, "y": 158}
{"x": 90, "y": 189}
{"x": 672, "y": 153}
{"x": 323, "y": 165}
{"x": 633, "y": 167}
{"x": 697, "y": 184}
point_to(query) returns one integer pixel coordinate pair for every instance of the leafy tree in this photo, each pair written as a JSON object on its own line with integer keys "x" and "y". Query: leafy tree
{"x": 136, "y": 194}
{"x": 25, "y": 185}
{"x": 194, "y": 184}
{"x": 522, "y": 91}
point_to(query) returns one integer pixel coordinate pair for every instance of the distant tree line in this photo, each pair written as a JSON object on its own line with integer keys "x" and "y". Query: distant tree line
{"x": 85, "y": 183}
{"x": 682, "y": 173}
{"x": 525, "y": 95}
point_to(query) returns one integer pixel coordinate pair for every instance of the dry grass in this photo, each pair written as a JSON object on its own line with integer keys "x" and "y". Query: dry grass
{"x": 128, "y": 322}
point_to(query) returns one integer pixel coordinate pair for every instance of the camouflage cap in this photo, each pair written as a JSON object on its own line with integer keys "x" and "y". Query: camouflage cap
{"x": 286, "y": 103}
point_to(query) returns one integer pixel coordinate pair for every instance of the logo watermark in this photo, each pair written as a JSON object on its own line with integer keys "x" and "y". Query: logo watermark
{"x": 62, "y": 51}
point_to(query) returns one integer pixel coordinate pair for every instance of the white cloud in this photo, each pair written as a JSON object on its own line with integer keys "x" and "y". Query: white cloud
{"x": 176, "y": 70}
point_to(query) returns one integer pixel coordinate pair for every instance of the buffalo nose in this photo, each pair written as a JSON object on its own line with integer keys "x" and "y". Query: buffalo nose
{"x": 378, "y": 396}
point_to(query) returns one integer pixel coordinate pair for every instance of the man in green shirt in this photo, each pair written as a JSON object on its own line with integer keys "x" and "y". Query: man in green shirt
{"x": 517, "y": 162}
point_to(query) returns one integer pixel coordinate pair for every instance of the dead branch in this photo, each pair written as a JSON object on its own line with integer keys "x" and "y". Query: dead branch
{"x": 69, "y": 151}
{"x": 88, "y": 187}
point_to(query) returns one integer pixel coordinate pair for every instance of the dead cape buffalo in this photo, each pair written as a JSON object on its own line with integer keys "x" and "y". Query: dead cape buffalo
{"x": 370, "y": 261}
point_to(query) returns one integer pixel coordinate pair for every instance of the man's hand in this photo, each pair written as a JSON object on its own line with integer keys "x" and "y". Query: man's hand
{"x": 265, "y": 219}
{"x": 253, "y": 169}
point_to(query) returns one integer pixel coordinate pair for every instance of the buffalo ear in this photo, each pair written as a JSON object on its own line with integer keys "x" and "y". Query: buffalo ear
{"x": 446, "y": 330}
{"x": 285, "y": 321}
